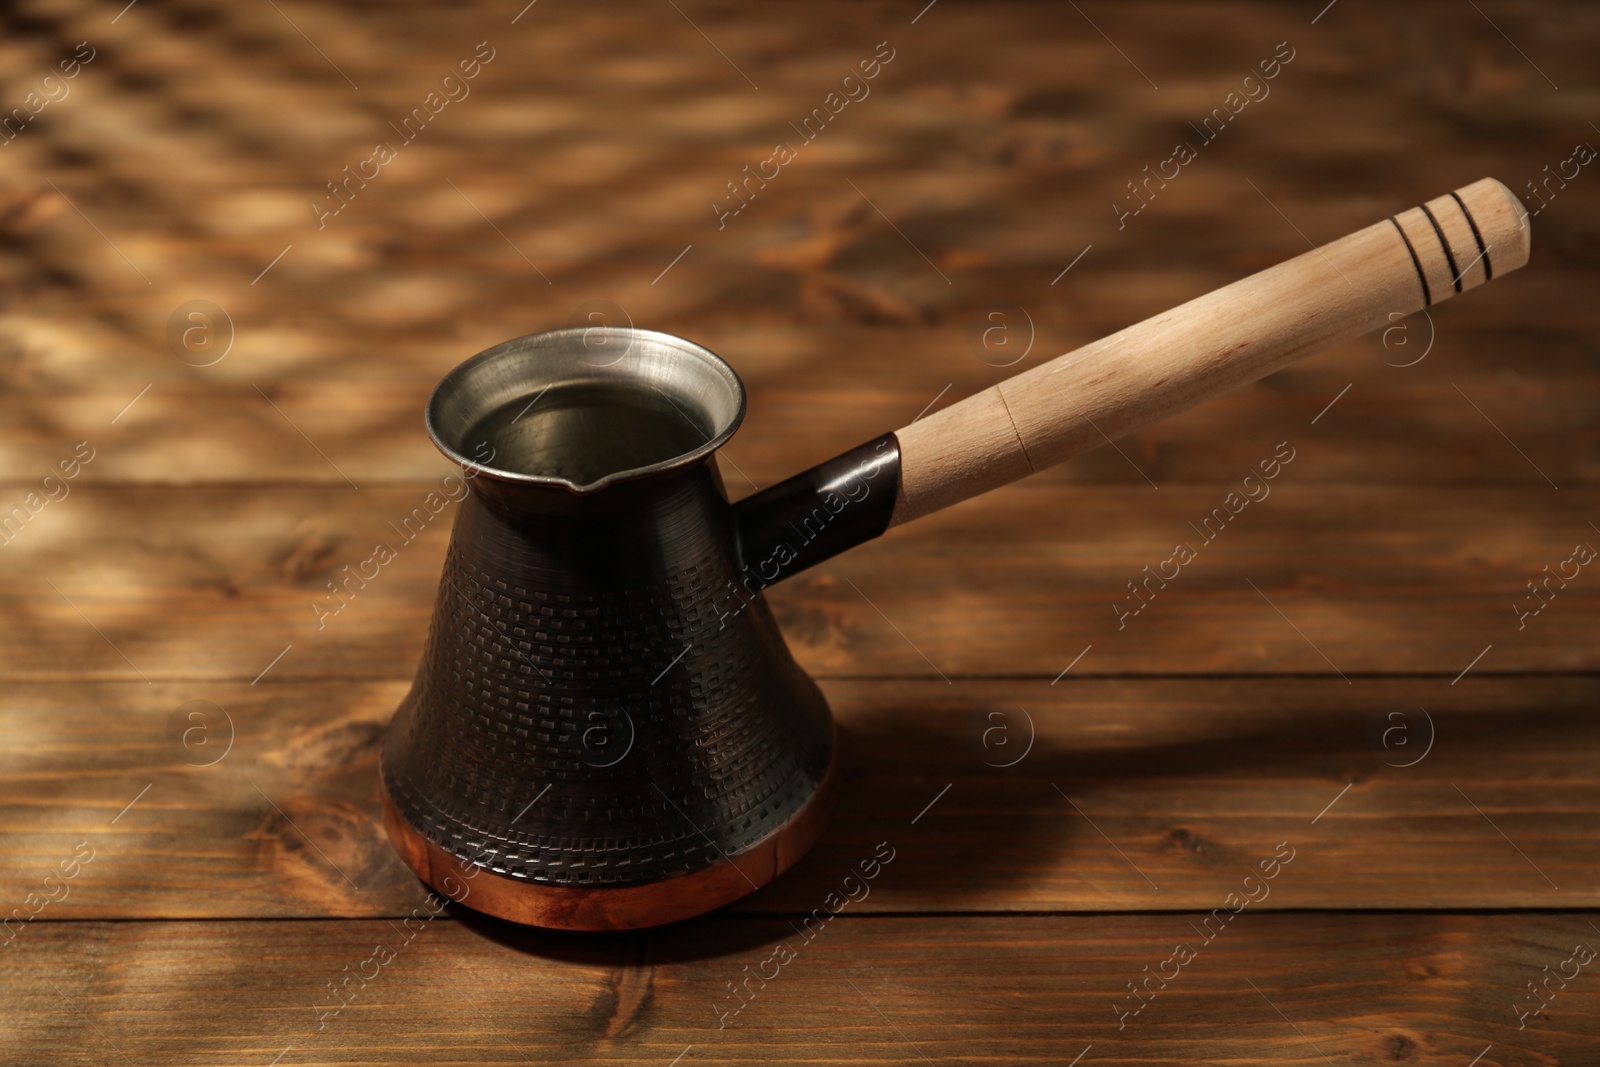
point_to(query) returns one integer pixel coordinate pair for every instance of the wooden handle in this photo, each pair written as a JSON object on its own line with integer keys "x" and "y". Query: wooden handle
{"x": 1237, "y": 334}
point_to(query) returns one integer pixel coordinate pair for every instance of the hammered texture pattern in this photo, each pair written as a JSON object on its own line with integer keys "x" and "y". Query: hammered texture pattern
{"x": 600, "y": 703}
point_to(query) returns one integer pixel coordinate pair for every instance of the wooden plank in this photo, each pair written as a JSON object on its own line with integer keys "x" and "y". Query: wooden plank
{"x": 816, "y": 392}
{"x": 1271, "y": 989}
{"x": 808, "y": 290}
{"x": 1116, "y": 787}
{"x": 214, "y": 582}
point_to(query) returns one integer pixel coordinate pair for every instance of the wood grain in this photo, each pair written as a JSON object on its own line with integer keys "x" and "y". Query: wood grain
{"x": 1116, "y": 787}
{"x": 1272, "y": 989}
{"x": 810, "y": 286}
{"x": 816, "y": 393}
{"x": 988, "y": 159}
{"x": 214, "y": 582}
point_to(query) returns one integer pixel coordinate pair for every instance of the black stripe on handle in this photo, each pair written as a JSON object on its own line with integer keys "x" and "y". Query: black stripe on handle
{"x": 1449, "y": 257}
{"x": 1483, "y": 249}
{"x": 1427, "y": 295}
{"x": 819, "y": 513}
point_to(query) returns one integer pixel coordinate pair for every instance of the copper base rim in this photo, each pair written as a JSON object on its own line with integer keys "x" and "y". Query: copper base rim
{"x": 602, "y": 909}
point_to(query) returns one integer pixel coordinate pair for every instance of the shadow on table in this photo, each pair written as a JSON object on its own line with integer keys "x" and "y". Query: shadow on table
{"x": 919, "y": 775}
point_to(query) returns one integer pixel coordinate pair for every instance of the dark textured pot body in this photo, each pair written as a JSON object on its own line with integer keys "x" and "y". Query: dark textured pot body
{"x": 601, "y": 703}
{"x": 606, "y": 729}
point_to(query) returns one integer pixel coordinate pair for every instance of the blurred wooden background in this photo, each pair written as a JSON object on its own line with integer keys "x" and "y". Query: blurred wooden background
{"x": 1342, "y": 670}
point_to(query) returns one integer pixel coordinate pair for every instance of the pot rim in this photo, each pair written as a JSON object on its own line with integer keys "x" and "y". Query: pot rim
{"x": 679, "y": 370}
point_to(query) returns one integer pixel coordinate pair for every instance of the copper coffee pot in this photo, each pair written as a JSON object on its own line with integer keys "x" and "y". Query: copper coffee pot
{"x": 607, "y": 730}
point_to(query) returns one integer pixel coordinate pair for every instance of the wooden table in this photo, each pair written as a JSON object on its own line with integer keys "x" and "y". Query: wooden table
{"x": 189, "y": 796}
